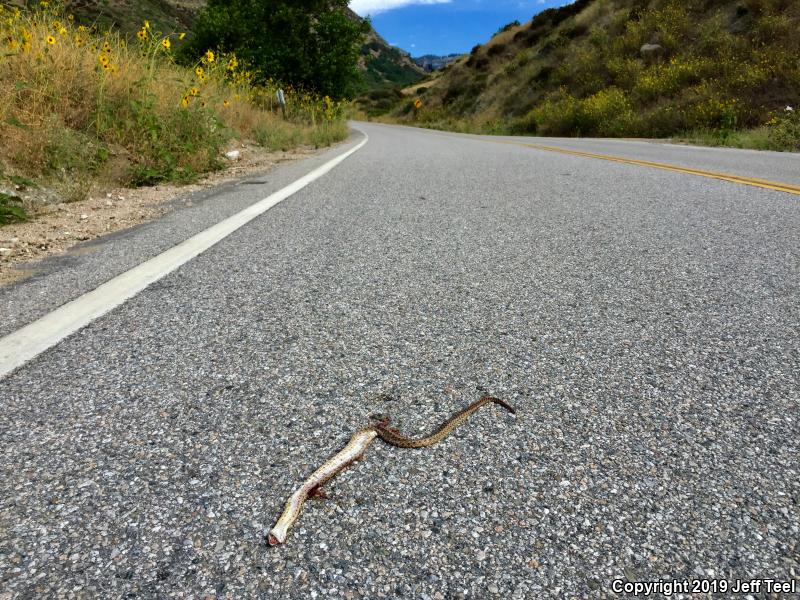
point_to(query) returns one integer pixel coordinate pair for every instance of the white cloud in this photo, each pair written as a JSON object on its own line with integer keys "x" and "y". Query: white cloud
{"x": 373, "y": 7}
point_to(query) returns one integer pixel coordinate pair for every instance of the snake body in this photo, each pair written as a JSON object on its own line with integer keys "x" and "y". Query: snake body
{"x": 355, "y": 449}
{"x": 395, "y": 438}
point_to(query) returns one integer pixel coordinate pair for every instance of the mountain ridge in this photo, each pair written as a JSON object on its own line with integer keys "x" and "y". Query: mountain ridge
{"x": 436, "y": 62}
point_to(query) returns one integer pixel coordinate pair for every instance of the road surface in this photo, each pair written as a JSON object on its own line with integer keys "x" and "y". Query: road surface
{"x": 645, "y": 323}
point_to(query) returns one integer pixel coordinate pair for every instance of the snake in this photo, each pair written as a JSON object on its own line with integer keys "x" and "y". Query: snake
{"x": 354, "y": 450}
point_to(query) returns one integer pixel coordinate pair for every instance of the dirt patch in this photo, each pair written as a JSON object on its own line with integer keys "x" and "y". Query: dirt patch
{"x": 57, "y": 227}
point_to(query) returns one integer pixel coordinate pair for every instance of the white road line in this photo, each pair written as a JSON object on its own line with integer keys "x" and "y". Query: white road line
{"x": 19, "y": 347}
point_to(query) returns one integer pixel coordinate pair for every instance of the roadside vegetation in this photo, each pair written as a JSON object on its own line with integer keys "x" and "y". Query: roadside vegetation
{"x": 82, "y": 107}
{"x": 723, "y": 73}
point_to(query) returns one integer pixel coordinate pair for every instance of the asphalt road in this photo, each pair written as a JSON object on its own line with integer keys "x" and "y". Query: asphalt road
{"x": 645, "y": 323}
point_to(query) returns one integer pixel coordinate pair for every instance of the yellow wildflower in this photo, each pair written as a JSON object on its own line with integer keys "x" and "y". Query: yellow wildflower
{"x": 209, "y": 56}
{"x": 185, "y": 101}
{"x": 141, "y": 34}
{"x": 51, "y": 40}
{"x": 194, "y": 91}
{"x": 181, "y": 36}
{"x": 226, "y": 103}
{"x": 199, "y": 71}
{"x": 166, "y": 43}
{"x": 146, "y": 25}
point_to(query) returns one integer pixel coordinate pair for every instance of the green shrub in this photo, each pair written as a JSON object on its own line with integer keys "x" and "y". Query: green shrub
{"x": 278, "y": 136}
{"x": 669, "y": 78}
{"x": 609, "y": 112}
{"x": 524, "y": 125}
{"x": 11, "y": 209}
{"x": 624, "y": 71}
{"x": 496, "y": 49}
{"x": 175, "y": 147}
{"x": 559, "y": 114}
{"x": 785, "y": 129}
{"x": 328, "y": 134}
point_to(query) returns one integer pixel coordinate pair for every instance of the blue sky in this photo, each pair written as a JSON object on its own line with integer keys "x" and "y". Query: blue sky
{"x": 445, "y": 26}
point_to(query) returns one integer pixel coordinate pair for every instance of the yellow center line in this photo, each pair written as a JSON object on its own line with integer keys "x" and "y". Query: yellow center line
{"x": 752, "y": 181}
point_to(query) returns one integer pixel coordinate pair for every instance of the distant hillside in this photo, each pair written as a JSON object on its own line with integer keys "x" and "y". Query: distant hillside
{"x": 625, "y": 67}
{"x": 385, "y": 66}
{"x": 433, "y": 62}
{"x": 128, "y": 15}
{"x": 382, "y": 64}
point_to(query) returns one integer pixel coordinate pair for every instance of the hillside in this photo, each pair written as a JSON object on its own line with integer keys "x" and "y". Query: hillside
{"x": 128, "y": 15}
{"x": 385, "y": 66}
{"x": 382, "y": 65}
{"x": 625, "y": 67}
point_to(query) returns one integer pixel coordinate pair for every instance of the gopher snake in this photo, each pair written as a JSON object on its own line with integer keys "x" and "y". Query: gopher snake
{"x": 355, "y": 449}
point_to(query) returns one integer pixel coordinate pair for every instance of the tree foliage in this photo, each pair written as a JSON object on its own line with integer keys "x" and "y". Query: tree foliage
{"x": 313, "y": 43}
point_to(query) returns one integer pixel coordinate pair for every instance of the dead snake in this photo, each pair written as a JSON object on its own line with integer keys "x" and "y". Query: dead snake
{"x": 355, "y": 449}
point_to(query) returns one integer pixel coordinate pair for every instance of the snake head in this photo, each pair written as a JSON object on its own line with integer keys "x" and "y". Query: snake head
{"x": 379, "y": 420}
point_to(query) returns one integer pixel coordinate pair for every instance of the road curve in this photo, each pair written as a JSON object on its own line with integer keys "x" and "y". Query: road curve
{"x": 645, "y": 323}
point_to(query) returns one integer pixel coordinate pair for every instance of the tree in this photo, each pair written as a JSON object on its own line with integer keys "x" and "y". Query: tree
{"x": 313, "y": 43}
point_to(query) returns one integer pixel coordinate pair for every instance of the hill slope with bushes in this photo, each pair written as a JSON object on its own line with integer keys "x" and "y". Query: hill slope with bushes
{"x": 650, "y": 68}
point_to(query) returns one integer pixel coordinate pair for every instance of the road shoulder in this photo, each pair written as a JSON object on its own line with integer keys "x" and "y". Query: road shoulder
{"x": 172, "y": 216}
